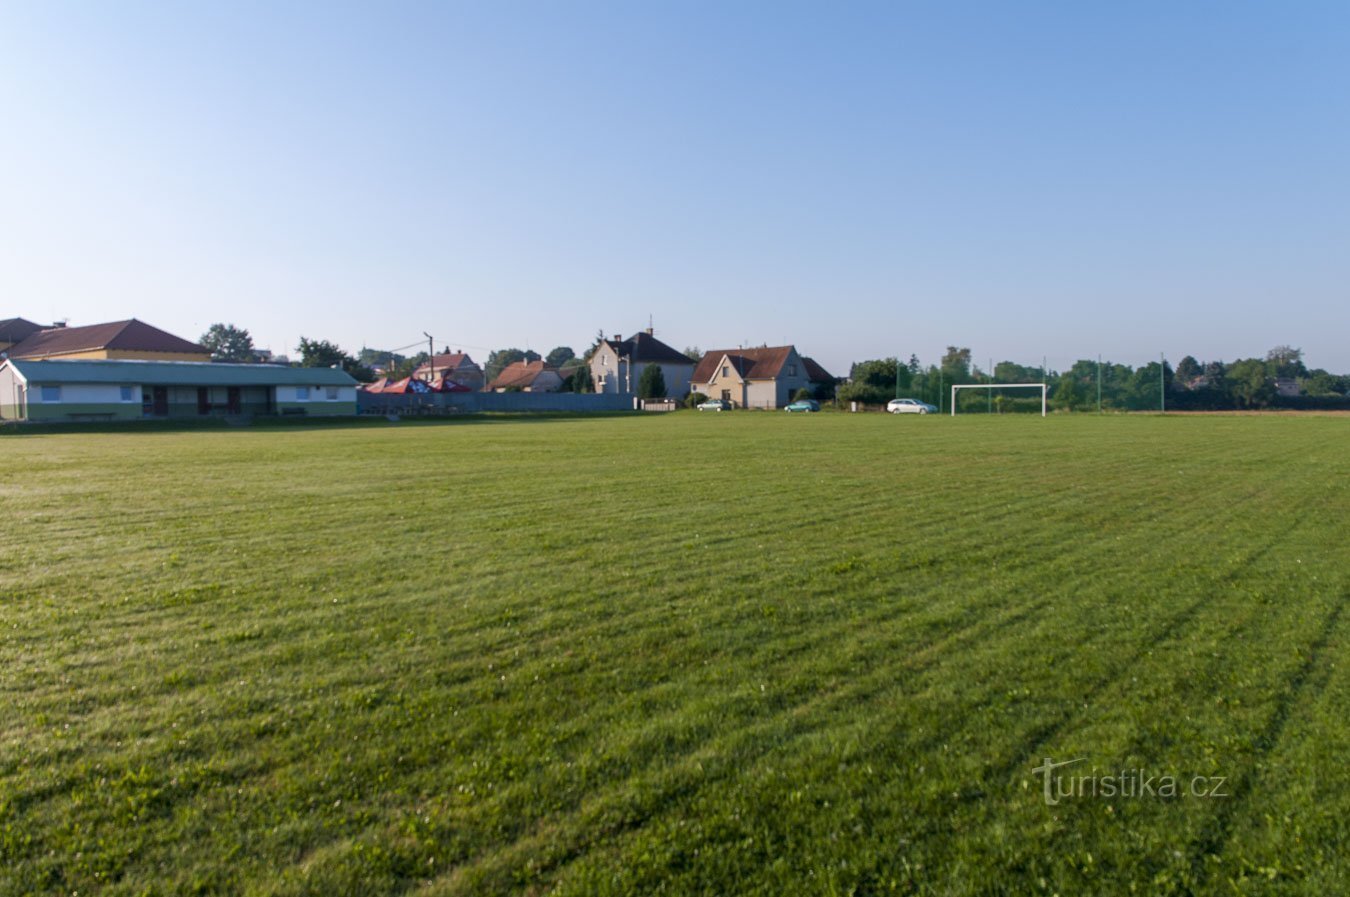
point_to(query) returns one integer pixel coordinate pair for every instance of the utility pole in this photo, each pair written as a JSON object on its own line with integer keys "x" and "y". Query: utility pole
{"x": 1099, "y": 383}
{"x": 897, "y": 376}
{"x": 431, "y": 354}
{"x": 940, "y": 393}
{"x": 1162, "y": 383}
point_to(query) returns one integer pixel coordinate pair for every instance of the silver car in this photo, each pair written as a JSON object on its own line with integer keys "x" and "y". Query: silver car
{"x": 909, "y": 406}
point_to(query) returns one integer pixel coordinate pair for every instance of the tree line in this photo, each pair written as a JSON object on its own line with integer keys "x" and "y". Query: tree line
{"x": 1243, "y": 384}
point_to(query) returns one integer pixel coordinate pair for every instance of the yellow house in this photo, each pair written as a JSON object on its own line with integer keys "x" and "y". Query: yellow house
{"x": 120, "y": 340}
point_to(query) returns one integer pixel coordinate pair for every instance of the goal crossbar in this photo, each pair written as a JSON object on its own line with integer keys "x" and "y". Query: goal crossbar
{"x": 1040, "y": 386}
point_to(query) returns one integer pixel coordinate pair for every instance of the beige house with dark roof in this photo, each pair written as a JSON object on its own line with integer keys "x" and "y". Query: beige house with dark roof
{"x": 617, "y": 365}
{"x": 766, "y": 377}
{"x": 130, "y": 340}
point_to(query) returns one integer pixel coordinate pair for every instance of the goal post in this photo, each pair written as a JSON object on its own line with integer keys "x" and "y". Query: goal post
{"x": 1040, "y": 386}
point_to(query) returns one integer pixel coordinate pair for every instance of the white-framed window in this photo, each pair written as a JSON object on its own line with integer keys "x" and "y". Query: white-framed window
{"x": 726, "y": 371}
{"x": 792, "y": 370}
{"x": 604, "y": 360}
{"x": 302, "y": 393}
{"x": 51, "y": 393}
{"x": 331, "y": 393}
{"x": 128, "y": 394}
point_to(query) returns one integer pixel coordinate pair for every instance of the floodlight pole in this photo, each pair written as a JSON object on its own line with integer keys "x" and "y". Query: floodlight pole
{"x": 1099, "y": 383}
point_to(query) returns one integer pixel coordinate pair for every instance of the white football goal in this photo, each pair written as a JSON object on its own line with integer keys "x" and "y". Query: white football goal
{"x": 1040, "y": 386}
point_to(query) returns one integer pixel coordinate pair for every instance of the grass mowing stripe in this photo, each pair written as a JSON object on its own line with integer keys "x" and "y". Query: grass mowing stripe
{"x": 344, "y": 664}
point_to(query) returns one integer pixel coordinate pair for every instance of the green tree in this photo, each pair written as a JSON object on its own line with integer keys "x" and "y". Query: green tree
{"x": 1286, "y": 361}
{"x": 1067, "y": 394}
{"x": 652, "y": 383}
{"x": 873, "y": 382}
{"x": 1320, "y": 383}
{"x": 323, "y": 354}
{"x": 1249, "y": 385}
{"x": 1145, "y": 388}
{"x": 1012, "y": 372}
{"x": 559, "y": 356}
{"x": 956, "y": 366}
{"x": 228, "y": 343}
{"x": 581, "y": 380}
{"x": 693, "y": 353}
{"x": 1188, "y": 371}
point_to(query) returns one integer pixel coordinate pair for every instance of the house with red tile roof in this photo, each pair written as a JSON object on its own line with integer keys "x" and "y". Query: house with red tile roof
{"x": 617, "y": 365}
{"x": 130, "y": 340}
{"x": 527, "y": 376}
{"x": 766, "y": 377}
{"x": 458, "y": 366}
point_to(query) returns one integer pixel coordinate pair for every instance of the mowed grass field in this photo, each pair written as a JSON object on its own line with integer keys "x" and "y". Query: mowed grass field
{"x": 683, "y": 654}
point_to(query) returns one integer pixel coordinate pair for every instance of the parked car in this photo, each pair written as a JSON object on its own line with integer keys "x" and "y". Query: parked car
{"x": 803, "y": 405}
{"x": 715, "y": 405}
{"x": 909, "y": 406}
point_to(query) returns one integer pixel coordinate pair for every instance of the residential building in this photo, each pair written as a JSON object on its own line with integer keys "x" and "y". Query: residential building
{"x": 617, "y": 365}
{"x": 766, "y": 377}
{"x": 16, "y": 330}
{"x": 1287, "y": 388}
{"x": 458, "y": 366}
{"x": 129, "y": 390}
{"x": 527, "y": 376}
{"x": 122, "y": 340}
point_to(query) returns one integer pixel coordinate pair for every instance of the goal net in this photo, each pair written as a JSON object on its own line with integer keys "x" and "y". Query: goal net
{"x": 991, "y": 386}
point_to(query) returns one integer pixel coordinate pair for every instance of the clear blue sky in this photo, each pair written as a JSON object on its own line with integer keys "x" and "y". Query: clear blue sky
{"x": 1026, "y": 179}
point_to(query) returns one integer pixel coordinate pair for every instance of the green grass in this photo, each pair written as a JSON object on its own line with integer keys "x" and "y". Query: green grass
{"x": 711, "y": 654}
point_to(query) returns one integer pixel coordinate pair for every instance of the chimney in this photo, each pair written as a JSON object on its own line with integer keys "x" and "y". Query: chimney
{"x": 618, "y": 337}
{"x": 651, "y": 332}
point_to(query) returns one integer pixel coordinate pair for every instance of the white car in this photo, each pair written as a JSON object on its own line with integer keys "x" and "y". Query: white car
{"x": 909, "y": 406}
